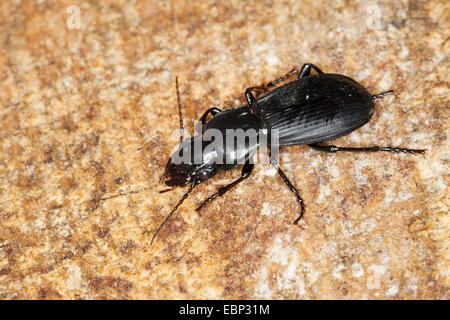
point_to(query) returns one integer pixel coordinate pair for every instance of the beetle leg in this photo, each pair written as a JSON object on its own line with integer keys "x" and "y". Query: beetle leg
{"x": 306, "y": 70}
{"x": 382, "y": 95}
{"x": 213, "y": 111}
{"x": 246, "y": 171}
{"x": 251, "y": 99}
{"x": 333, "y": 149}
{"x": 249, "y": 93}
{"x": 286, "y": 76}
{"x": 293, "y": 189}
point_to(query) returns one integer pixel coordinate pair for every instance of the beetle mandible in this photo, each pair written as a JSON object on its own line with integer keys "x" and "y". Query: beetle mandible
{"x": 307, "y": 111}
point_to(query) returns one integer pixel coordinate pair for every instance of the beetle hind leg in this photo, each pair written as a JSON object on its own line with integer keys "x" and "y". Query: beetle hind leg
{"x": 333, "y": 149}
{"x": 281, "y": 79}
{"x": 305, "y": 71}
{"x": 382, "y": 95}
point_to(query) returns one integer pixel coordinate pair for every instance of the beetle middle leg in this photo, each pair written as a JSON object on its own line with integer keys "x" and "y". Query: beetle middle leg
{"x": 246, "y": 171}
{"x": 251, "y": 99}
{"x": 333, "y": 149}
{"x": 306, "y": 70}
{"x": 293, "y": 189}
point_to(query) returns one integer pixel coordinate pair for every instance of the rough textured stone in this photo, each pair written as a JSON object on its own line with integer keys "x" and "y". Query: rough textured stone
{"x": 79, "y": 203}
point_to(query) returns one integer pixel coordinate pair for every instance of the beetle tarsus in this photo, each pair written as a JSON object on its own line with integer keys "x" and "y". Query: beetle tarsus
{"x": 281, "y": 79}
{"x": 305, "y": 71}
{"x": 382, "y": 95}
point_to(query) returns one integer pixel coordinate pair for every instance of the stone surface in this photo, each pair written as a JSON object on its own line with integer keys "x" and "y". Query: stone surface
{"x": 79, "y": 203}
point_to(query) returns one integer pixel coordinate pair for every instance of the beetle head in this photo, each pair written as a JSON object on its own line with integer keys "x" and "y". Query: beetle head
{"x": 190, "y": 164}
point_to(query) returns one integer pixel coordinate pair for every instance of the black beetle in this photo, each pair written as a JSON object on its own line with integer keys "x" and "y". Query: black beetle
{"x": 307, "y": 111}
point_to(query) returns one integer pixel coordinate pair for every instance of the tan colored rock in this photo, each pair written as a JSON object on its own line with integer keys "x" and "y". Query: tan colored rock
{"x": 79, "y": 203}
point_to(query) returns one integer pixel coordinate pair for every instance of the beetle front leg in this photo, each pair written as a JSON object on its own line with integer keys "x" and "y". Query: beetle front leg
{"x": 334, "y": 149}
{"x": 306, "y": 70}
{"x": 246, "y": 171}
{"x": 211, "y": 111}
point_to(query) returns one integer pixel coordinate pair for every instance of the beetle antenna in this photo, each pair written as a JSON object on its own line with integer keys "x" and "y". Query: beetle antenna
{"x": 179, "y": 111}
{"x": 172, "y": 212}
{"x": 147, "y": 141}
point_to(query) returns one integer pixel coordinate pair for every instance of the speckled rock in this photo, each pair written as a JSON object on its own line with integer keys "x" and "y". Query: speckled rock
{"x": 79, "y": 203}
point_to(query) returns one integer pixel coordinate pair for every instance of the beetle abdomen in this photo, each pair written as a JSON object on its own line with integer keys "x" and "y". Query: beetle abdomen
{"x": 315, "y": 109}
